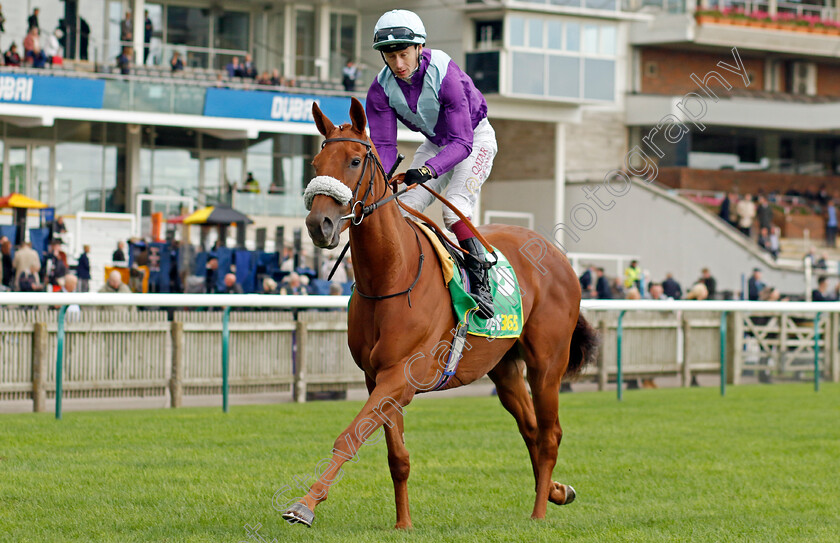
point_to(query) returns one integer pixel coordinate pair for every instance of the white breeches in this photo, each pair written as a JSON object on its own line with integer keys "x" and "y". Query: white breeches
{"x": 462, "y": 183}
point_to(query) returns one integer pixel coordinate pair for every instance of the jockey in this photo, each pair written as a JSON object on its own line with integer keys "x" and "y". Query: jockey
{"x": 430, "y": 94}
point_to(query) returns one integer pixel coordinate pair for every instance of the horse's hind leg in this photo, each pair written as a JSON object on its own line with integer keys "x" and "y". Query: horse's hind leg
{"x": 545, "y": 369}
{"x": 510, "y": 385}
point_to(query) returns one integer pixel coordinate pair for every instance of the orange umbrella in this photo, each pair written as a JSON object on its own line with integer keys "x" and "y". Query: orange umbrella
{"x": 20, "y": 201}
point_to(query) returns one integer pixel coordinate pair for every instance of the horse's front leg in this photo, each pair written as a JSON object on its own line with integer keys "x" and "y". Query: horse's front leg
{"x": 383, "y": 407}
{"x": 398, "y": 463}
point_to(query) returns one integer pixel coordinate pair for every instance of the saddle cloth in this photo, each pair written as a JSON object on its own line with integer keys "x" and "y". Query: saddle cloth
{"x": 507, "y": 299}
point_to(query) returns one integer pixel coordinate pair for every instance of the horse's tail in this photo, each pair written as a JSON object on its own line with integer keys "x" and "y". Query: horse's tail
{"x": 584, "y": 348}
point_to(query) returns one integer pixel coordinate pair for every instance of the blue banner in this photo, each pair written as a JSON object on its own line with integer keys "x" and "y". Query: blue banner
{"x": 51, "y": 91}
{"x": 274, "y": 106}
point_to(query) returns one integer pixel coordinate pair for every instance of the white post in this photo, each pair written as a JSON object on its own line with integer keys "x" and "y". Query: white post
{"x": 138, "y": 23}
{"x": 559, "y": 178}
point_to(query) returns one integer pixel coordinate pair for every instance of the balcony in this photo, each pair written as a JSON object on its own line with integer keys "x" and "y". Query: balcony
{"x": 807, "y": 29}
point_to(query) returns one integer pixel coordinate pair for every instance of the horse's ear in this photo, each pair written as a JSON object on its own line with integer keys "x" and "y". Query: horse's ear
{"x": 357, "y": 115}
{"x": 325, "y": 126}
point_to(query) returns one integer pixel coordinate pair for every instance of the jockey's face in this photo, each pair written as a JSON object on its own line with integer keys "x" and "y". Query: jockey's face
{"x": 404, "y": 63}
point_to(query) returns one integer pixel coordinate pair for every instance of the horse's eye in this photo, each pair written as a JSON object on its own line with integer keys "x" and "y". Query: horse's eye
{"x": 355, "y": 162}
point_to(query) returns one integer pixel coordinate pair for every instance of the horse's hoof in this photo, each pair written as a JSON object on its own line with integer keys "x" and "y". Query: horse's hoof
{"x": 299, "y": 513}
{"x": 568, "y": 494}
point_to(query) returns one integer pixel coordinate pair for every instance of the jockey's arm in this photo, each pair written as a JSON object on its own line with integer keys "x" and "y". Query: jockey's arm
{"x": 382, "y": 124}
{"x": 455, "y": 110}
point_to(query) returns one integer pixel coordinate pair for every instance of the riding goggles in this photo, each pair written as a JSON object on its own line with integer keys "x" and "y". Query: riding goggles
{"x": 395, "y": 33}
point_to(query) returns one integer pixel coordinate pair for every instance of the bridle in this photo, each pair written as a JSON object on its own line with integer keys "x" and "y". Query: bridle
{"x": 375, "y": 165}
{"x": 372, "y": 162}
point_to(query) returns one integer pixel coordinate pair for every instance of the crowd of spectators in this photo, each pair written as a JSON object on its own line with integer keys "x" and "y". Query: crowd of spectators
{"x": 39, "y": 47}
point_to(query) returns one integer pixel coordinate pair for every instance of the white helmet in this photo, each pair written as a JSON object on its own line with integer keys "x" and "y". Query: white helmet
{"x": 397, "y": 29}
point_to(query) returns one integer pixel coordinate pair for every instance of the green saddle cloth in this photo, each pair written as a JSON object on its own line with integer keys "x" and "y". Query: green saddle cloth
{"x": 507, "y": 303}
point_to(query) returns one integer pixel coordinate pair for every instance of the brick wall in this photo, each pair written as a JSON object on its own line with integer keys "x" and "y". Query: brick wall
{"x": 742, "y": 182}
{"x": 666, "y": 71}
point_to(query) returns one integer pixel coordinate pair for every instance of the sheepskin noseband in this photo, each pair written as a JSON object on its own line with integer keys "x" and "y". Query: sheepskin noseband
{"x": 329, "y": 186}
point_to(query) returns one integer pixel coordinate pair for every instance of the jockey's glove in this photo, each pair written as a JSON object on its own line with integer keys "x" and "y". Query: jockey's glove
{"x": 418, "y": 175}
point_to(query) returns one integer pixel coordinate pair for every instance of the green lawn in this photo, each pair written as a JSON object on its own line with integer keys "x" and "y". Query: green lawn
{"x": 762, "y": 464}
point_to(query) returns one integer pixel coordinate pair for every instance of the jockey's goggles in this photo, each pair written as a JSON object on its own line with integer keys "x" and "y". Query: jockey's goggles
{"x": 395, "y": 33}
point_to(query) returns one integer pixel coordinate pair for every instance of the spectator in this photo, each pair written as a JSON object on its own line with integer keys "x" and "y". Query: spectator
{"x": 176, "y": 63}
{"x": 831, "y": 224}
{"x": 755, "y": 285}
{"x": 602, "y": 286}
{"x": 671, "y": 288}
{"x": 633, "y": 276}
{"x": 251, "y": 184}
{"x": 211, "y": 273}
{"x": 764, "y": 239}
{"x": 293, "y": 285}
{"x": 775, "y": 242}
{"x": 248, "y": 69}
{"x": 56, "y": 266}
{"x": 264, "y": 79}
{"x": 657, "y": 292}
{"x": 231, "y": 286}
{"x": 587, "y": 281}
{"x": 727, "y": 208}
{"x": 84, "y": 37}
{"x": 26, "y": 259}
{"x": 632, "y": 293}
{"x": 126, "y": 29}
{"x": 276, "y": 80}
{"x": 340, "y": 275}
{"x": 52, "y": 50}
{"x": 233, "y": 68}
{"x": 7, "y": 271}
{"x": 269, "y": 286}
{"x": 765, "y": 214}
{"x": 33, "y": 20}
{"x": 335, "y": 289}
{"x": 71, "y": 283}
{"x": 28, "y": 280}
{"x": 119, "y": 254}
{"x": 83, "y": 269}
{"x": 275, "y": 188}
{"x": 59, "y": 227}
{"x": 349, "y": 74}
{"x": 698, "y": 291}
{"x": 709, "y": 281}
{"x": 124, "y": 61}
{"x": 31, "y": 43}
{"x": 820, "y": 294}
{"x": 148, "y": 30}
{"x": 12, "y": 58}
{"x": 770, "y": 294}
{"x": 746, "y": 214}
{"x": 115, "y": 285}
{"x": 2, "y": 20}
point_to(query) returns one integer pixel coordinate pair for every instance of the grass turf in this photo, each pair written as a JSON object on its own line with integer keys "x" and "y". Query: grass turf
{"x": 761, "y": 464}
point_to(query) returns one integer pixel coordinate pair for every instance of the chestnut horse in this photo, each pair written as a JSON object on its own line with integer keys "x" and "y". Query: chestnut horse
{"x": 394, "y": 334}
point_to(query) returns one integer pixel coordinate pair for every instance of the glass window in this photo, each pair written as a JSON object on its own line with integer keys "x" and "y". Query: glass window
{"x": 78, "y": 171}
{"x": 516, "y": 31}
{"x": 571, "y": 3}
{"x": 572, "y": 37}
{"x": 231, "y": 30}
{"x": 590, "y": 39}
{"x": 564, "y": 76}
{"x": 188, "y": 26}
{"x": 114, "y": 179}
{"x": 528, "y": 73}
{"x": 305, "y": 42}
{"x": 608, "y": 40}
{"x": 554, "y": 29}
{"x": 535, "y": 39}
{"x": 599, "y": 79}
{"x": 342, "y": 42}
{"x": 175, "y": 171}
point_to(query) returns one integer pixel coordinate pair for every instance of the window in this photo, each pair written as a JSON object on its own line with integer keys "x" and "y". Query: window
{"x": 488, "y": 35}
{"x": 560, "y": 58}
{"x": 305, "y": 42}
{"x": 343, "y": 41}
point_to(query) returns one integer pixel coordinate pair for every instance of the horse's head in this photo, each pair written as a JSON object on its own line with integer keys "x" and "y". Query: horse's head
{"x": 343, "y": 172}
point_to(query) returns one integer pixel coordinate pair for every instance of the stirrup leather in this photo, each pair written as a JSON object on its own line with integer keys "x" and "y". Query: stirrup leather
{"x": 477, "y": 267}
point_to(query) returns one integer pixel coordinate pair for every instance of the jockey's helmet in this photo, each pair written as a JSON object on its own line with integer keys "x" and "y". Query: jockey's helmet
{"x": 398, "y": 29}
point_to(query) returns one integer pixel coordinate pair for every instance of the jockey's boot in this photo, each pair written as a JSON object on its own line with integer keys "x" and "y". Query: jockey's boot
{"x": 477, "y": 267}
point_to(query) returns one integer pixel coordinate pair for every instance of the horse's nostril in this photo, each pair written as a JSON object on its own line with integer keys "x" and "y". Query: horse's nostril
{"x": 327, "y": 227}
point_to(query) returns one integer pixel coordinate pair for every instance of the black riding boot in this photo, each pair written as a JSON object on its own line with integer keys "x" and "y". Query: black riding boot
{"x": 477, "y": 267}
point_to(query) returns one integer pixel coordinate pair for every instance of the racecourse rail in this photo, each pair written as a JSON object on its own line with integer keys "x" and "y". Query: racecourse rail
{"x": 730, "y": 326}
